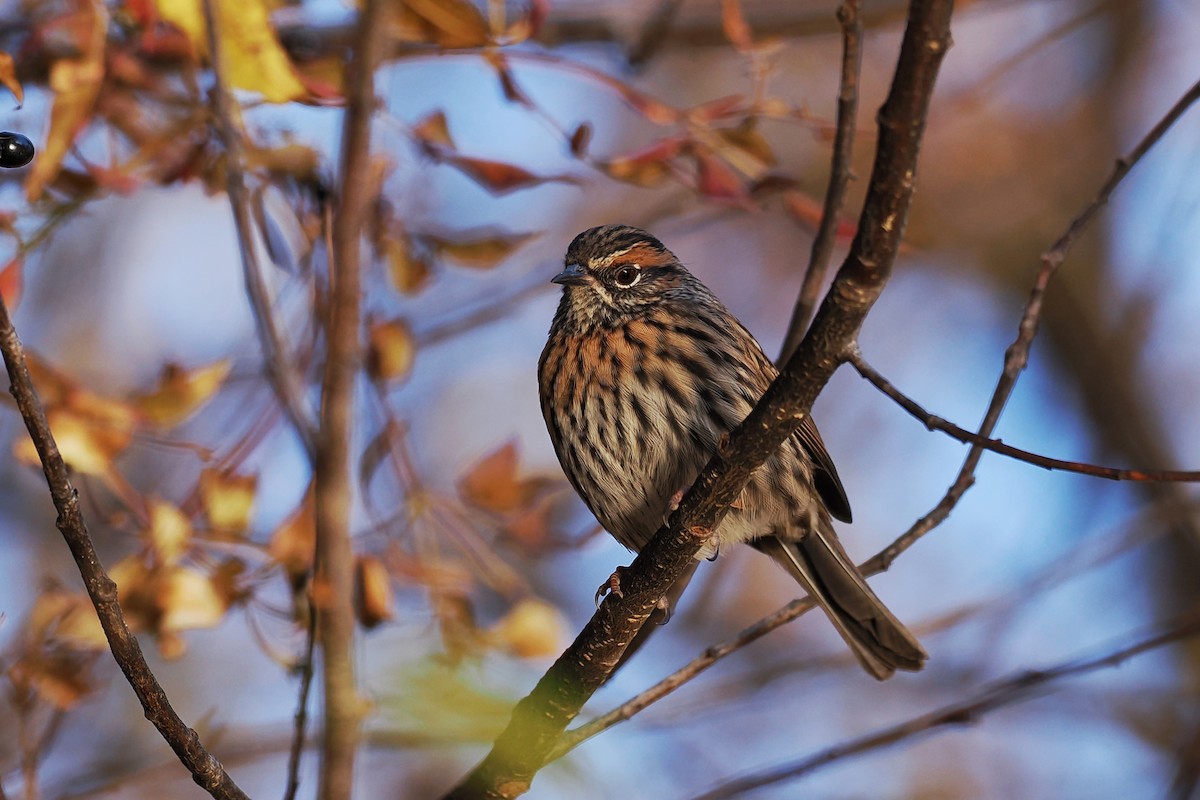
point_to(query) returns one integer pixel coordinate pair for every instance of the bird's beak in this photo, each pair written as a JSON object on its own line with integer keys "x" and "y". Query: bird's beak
{"x": 573, "y": 275}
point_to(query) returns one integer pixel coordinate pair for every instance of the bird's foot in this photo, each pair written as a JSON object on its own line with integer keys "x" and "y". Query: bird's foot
{"x": 611, "y": 586}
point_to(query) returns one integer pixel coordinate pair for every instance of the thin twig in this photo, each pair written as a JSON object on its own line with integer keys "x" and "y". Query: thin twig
{"x": 334, "y": 579}
{"x": 1017, "y": 354}
{"x": 839, "y": 178}
{"x": 936, "y": 423}
{"x": 1016, "y": 688}
{"x": 206, "y": 770}
{"x": 300, "y": 720}
{"x": 288, "y": 387}
{"x": 539, "y": 719}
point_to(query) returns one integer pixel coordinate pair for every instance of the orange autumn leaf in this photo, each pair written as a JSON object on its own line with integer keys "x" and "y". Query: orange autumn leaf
{"x": 293, "y": 542}
{"x": 716, "y": 180}
{"x": 373, "y": 599}
{"x": 8, "y": 78}
{"x": 253, "y": 58}
{"x": 481, "y": 252}
{"x": 447, "y": 23}
{"x": 75, "y": 82}
{"x": 390, "y": 350}
{"x": 499, "y": 177}
{"x": 434, "y": 130}
{"x": 180, "y": 392}
{"x": 11, "y": 282}
{"x": 493, "y": 483}
{"x": 733, "y": 22}
{"x": 408, "y": 269}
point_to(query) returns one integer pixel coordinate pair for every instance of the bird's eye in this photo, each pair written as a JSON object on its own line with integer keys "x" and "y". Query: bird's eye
{"x": 627, "y": 276}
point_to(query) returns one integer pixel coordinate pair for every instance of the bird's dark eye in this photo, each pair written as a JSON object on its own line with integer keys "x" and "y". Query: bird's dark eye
{"x": 627, "y": 276}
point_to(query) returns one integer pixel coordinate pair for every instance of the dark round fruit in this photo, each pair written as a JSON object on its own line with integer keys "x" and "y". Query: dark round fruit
{"x": 15, "y": 150}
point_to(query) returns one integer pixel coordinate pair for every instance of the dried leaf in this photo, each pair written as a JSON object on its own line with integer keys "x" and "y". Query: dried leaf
{"x": 291, "y": 160}
{"x": 808, "y": 212}
{"x": 373, "y": 598}
{"x": 748, "y": 139}
{"x": 733, "y": 22}
{"x": 12, "y": 281}
{"x": 716, "y": 180}
{"x": 448, "y": 23}
{"x": 390, "y": 350}
{"x": 76, "y": 83}
{"x": 721, "y": 107}
{"x": 180, "y": 392}
{"x": 293, "y": 542}
{"x": 8, "y": 78}
{"x": 481, "y": 253}
{"x": 68, "y": 619}
{"x": 254, "y": 58}
{"x": 513, "y": 92}
{"x": 498, "y": 177}
{"x": 87, "y": 445}
{"x": 492, "y": 483}
{"x": 227, "y": 500}
{"x": 170, "y": 532}
{"x": 531, "y": 629}
{"x": 408, "y": 269}
{"x": 646, "y": 167}
{"x": 581, "y": 137}
{"x": 189, "y": 599}
{"x": 653, "y": 110}
{"x": 434, "y": 130}
{"x": 59, "y": 677}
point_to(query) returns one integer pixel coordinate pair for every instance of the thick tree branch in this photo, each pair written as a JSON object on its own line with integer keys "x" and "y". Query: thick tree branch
{"x": 206, "y": 770}
{"x": 1015, "y": 689}
{"x": 334, "y": 580}
{"x": 540, "y": 718}
{"x": 288, "y": 387}
{"x": 839, "y": 178}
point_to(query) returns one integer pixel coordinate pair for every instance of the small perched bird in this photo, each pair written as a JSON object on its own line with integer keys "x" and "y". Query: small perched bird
{"x": 643, "y": 373}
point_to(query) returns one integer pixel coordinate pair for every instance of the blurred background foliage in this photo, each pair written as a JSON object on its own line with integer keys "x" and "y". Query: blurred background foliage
{"x": 504, "y": 129}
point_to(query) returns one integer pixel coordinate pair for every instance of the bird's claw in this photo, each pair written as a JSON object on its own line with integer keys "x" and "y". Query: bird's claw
{"x": 611, "y": 586}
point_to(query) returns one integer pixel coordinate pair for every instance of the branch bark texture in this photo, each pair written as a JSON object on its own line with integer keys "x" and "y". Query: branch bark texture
{"x": 334, "y": 579}
{"x": 206, "y": 770}
{"x": 540, "y": 718}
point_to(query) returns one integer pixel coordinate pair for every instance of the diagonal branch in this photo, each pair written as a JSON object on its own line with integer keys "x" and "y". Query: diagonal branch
{"x": 839, "y": 177}
{"x": 1017, "y": 688}
{"x": 539, "y": 719}
{"x": 206, "y": 770}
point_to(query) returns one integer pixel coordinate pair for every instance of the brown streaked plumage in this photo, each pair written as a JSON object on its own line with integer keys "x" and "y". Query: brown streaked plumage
{"x": 643, "y": 372}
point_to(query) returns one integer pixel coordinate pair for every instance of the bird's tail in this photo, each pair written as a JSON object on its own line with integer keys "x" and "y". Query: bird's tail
{"x": 818, "y": 563}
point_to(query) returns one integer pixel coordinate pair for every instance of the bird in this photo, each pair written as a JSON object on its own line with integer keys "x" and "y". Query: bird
{"x": 643, "y": 374}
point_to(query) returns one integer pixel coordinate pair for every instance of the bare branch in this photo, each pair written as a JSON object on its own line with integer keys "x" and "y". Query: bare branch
{"x": 936, "y": 423}
{"x": 654, "y": 32}
{"x": 206, "y": 770}
{"x": 540, "y": 718}
{"x": 1017, "y": 688}
{"x": 839, "y": 178}
{"x": 334, "y": 579}
{"x": 284, "y": 380}
{"x": 300, "y": 720}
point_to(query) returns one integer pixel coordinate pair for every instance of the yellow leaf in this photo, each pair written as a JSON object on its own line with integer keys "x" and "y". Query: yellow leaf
{"x": 76, "y": 83}
{"x": 408, "y": 270}
{"x": 8, "y": 78}
{"x": 483, "y": 252}
{"x": 492, "y": 483}
{"x": 180, "y": 393}
{"x": 87, "y": 445}
{"x": 190, "y": 599}
{"x": 254, "y": 58}
{"x": 227, "y": 500}
{"x": 372, "y": 592}
{"x": 390, "y": 350}
{"x": 448, "y": 23}
{"x": 531, "y": 629}
{"x": 170, "y": 532}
